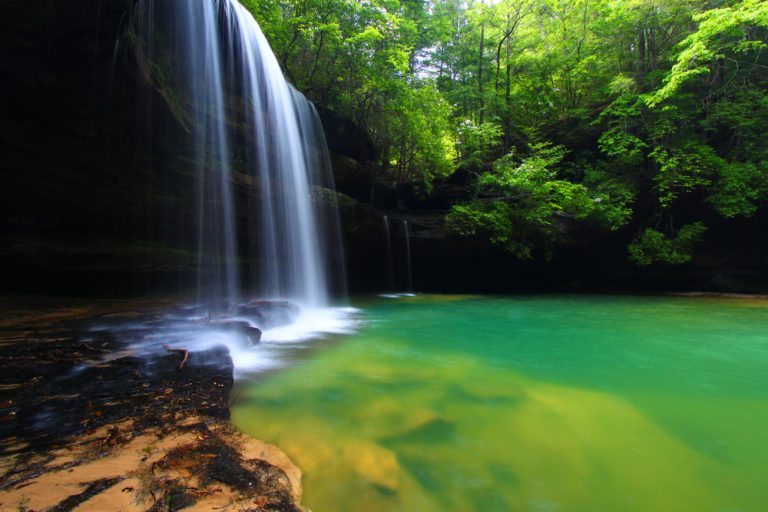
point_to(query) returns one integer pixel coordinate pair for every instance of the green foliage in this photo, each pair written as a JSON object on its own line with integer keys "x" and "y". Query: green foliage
{"x": 361, "y": 59}
{"x": 612, "y": 197}
{"x": 734, "y": 32}
{"x": 424, "y": 145}
{"x": 616, "y": 142}
{"x": 740, "y": 119}
{"x": 492, "y": 219}
{"x": 477, "y": 143}
{"x": 662, "y": 101}
{"x": 683, "y": 169}
{"x": 527, "y": 204}
{"x": 619, "y": 140}
{"x": 652, "y": 246}
{"x": 739, "y": 187}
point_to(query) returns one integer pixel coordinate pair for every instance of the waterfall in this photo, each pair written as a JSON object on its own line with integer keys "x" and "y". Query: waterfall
{"x": 407, "y": 233}
{"x": 214, "y": 68}
{"x": 390, "y": 259}
{"x": 403, "y": 265}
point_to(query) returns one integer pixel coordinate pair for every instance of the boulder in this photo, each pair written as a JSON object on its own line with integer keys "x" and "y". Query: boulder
{"x": 375, "y": 463}
{"x": 250, "y": 334}
{"x": 270, "y": 313}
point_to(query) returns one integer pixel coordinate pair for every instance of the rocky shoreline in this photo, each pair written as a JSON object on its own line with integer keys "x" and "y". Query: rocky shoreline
{"x": 89, "y": 426}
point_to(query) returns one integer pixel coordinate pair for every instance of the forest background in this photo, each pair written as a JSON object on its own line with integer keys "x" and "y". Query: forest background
{"x": 553, "y": 114}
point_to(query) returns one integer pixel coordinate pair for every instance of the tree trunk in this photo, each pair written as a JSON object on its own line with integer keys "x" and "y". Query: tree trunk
{"x": 508, "y": 103}
{"x": 480, "y": 72}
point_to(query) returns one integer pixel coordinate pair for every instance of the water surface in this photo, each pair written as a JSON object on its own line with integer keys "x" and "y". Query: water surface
{"x": 458, "y": 403}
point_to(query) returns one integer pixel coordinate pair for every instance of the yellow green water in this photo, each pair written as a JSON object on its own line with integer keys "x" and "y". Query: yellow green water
{"x": 595, "y": 404}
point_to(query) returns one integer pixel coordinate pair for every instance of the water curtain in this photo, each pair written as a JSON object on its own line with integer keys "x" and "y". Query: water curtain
{"x": 215, "y": 70}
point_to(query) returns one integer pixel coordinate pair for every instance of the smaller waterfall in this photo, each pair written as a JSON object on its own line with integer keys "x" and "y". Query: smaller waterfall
{"x": 409, "y": 274}
{"x": 399, "y": 264}
{"x": 390, "y": 259}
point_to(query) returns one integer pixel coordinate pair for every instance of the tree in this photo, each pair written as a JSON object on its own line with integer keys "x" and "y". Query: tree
{"x": 655, "y": 109}
{"x": 524, "y": 203}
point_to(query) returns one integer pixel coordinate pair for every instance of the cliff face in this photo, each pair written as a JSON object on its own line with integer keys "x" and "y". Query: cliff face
{"x": 79, "y": 187}
{"x": 98, "y": 194}
{"x": 99, "y": 185}
{"x": 731, "y": 258}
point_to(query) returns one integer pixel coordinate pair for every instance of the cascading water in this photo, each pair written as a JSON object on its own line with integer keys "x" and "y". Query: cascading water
{"x": 390, "y": 259}
{"x": 402, "y": 264}
{"x": 291, "y": 247}
{"x": 225, "y": 73}
{"x": 212, "y": 65}
{"x": 407, "y": 234}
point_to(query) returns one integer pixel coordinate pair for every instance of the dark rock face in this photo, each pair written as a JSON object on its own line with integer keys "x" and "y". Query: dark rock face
{"x": 733, "y": 258}
{"x": 90, "y": 189}
{"x": 98, "y": 194}
{"x": 346, "y": 138}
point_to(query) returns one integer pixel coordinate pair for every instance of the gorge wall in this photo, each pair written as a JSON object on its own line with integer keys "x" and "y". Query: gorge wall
{"x": 95, "y": 201}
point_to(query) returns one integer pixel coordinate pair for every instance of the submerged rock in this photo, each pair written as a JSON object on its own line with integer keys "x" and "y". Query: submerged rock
{"x": 376, "y": 464}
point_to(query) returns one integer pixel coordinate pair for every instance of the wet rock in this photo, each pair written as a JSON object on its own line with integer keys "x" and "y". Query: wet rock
{"x": 248, "y": 333}
{"x": 80, "y": 430}
{"x": 270, "y": 313}
{"x": 346, "y": 137}
{"x": 214, "y": 461}
{"x": 68, "y": 400}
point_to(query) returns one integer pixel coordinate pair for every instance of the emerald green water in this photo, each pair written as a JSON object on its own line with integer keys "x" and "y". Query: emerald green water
{"x": 529, "y": 404}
